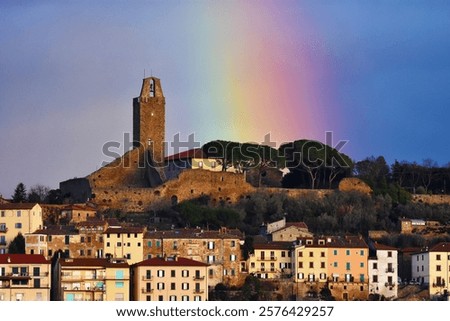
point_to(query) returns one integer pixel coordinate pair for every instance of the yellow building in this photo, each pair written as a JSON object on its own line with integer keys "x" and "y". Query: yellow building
{"x": 24, "y": 277}
{"x": 439, "y": 269}
{"x": 93, "y": 280}
{"x": 78, "y": 213}
{"x": 271, "y": 260}
{"x": 339, "y": 263}
{"x": 18, "y": 218}
{"x": 124, "y": 242}
{"x": 170, "y": 279}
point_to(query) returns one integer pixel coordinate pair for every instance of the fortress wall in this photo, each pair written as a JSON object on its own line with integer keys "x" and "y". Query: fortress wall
{"x": 431, "y": 199}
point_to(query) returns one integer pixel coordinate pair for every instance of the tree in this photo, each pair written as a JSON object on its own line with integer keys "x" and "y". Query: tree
{"x": 17, "y": 245}
{"x": 38, "y": 193}
{"x": 20, "y": 194}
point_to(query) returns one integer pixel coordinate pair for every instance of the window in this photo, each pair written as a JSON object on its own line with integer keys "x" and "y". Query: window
{"x": 347, "y": 252}
{"x": 119, "y": 274}
{"x": 347, "y": 266}
{"x": 172, "y": 298}
{"x": 375, "y": 266}
{"x": 119, "y": 297}
{"x": 50, "y": 253}
{"x": 210, "y": 245}
{"x": 361, "y": 278}
{"x": 172, "y": 286}
{"x": 361, "y": 264}
{"x": 211, "y": 258}
{"x": 89, "y": 239}
{"x": 283, "y": 254}
{"x": 300, "y": 265}
{"x": 335, "y": 252}
{"x": 300, "y": 254}
{"x": 335, "y": 264}
{"x": 66, "y": 239}
{"x": 185, "y": 273}
{"x": 149, "y": 243}
{"x": 213, "y": 164}
{"x": 107, "y": 236}
{"x": 139, "y": 244}
{"x": 184, "y": 298}
{"x": 82, "y": 239}
{"x": 49, "y": 238}
{"x": 300, "y": 276}
{"x": 389, "y": 253}
{"x": 160, "y": 298}
{"x": 3, "y": 214}
{"x": 89, "y": 252}
{"x": 160, "y": 286}
{"x": 158, "y": 243}
{"x": 232, "y": 257}
{"x": 375, "y": 278}
{"x": 108, "y": 244}
{"x": 160, "y": 273}
{"x": 233, "y": 243}
{"x": 36, "y": 283}
{"x": 119, "y": 244}
{"x": 322, "y": 265}
{"x": 185, "y": 286}
{"x": 175, "y": 245}
{"x": 438, "y": 257}
{"x": 361, "y": 252}
{"x": 148, "y": 298}
{"x": 119, "y": 285}
{"x": 172, "y": 273}
{"x": 311, "y": 265}
{"x": 311, "y": 254}
{"x": 19, "y": 213}
{"x": 200, "y": 164}
{"x": 18, "y": 225}
{"x": 81, "y": 252}
{"x": 322, "y": 254}
{"x": 438, "y": 268}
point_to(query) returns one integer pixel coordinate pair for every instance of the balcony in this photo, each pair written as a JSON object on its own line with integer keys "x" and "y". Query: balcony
{"x": 439, "y": 284}
{"x": 3, "y": 229}
{"x": 19, "y": 276}
{"x": 198, "y": 291}
{"x": 264, "y": 258}
{"x": 198, "y": 278}
{"x": 2, "y": 242}
{"x": 147, "y": 278}
{"x": 389, "y": 284}
{"x": 145, "y": 290}
{"x": 390, "y": 270}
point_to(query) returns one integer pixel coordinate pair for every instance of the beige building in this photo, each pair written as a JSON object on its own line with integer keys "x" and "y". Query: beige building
{"x": 78, "y": 213}
{"x": 438, "y": 269}
{"x": 220, "y": 249}
{"x": 18, "y": 218}
{"x": 170, "y": 279}
{"x": 93, "y": 280}
{"x": 124, "y": 242}
{"x": 271, "y": 260}
{"x": 339, "y": 263}
{"x": 24, "y": 278}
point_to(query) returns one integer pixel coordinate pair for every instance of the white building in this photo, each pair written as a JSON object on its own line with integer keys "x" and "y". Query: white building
{"x": 420, "y": 267}
{"x": 383, "y": 271}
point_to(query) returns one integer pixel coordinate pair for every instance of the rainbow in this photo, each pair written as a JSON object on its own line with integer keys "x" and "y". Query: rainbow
{"x": 263, "y": 72}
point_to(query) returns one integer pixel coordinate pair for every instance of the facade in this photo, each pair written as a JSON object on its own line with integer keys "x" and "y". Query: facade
{"x": 271, "y": 260}
{"x": 52, "y": 239}
{"x": 439, "y": 270}
{"x": 383, "y": 271}
{"x": 24, "y": 277}
{"x": 220, "y": 249}
{"x": 282, "y": 231}
{"x": 77, "y": 213}
{"x": 93, "y": 280}
{"x": 124, "y": 242}
{"x": 18, "y": 218}
{"x": 339, "y": 263}
{"x": 170, "y": 279}
{"x": 420, "y": 267}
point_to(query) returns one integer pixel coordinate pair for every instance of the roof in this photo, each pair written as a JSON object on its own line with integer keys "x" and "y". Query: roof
{"x": 57, "y": 230}
{"x": 333, "y": 242}
{"x": 78, "y": 207}
{"x": 441, "y": 247}
{"x": 383, "y": 247}
{"x": 297, "y": 224}
{"x": 124, "y": 229}
{"x": 195, "y": 234}
{"x": 23, "y": 259}
{"x": 177, "y": 261}
{"x": 93, "y": 262}
{"x": 188, "y": 154}
{"x": 17, "y": 206}
{"x": 273, "y": 246}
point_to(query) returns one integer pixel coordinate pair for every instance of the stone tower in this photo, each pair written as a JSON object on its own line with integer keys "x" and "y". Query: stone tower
{"x": 149, "y": 120}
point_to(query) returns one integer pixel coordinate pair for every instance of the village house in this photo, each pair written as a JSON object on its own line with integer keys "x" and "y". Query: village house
{"x": 88, "y": 279}
{"x": 54, "y": 239}
{"x": 339, "y": 263}
{"x": 24, "y": 277}
{"x": 18, "y": 218}
{"x": 221, "y": 249}
{"x": 432, "y": 267}
{"x": 170, "y": 279}
{"x": 271, "y": 260}
{"x": 75, "y": 213}
{"x": 124, "y": 242}
{"x": 383, "y": 271}
{"x": 282, "y": 231}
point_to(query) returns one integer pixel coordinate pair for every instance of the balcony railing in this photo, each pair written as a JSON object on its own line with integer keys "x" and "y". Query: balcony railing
{"x": 439, "y": 284}
{"x": 145, "y": 290}
{"x": 3, "y": 242}
{"x": 390, "y": 270}
{"x": 198, "y": 277}
{"x": 147, "y": 278}
{"x": 198, "y": 291}
{"x": 3, "y": 229}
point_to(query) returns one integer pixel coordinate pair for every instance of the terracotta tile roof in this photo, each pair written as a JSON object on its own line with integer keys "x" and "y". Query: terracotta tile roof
{"x": 17, "y": 206}
{"x": 273, "y": 246}
{"x": 180, "y": 261}
{"x": 383, "y": 247}
{"x": 188, "y": 154}
{"x": 93, "y": 262}
{"x": 57, "y": 230}
{"x": 195, "y": 234}
{"x": 23, "y": 259}
{"x": 333, "y": 242}
{"x": 79, "y": 207}
{"x": 124, "y": 229}
{"x": 297, "y": 224}
{"x": 441, "y": 247}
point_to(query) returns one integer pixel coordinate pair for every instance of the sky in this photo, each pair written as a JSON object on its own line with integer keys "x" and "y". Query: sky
{"x": 373, "y": 73}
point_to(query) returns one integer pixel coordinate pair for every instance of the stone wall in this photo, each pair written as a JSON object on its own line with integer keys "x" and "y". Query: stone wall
{"x": 431, "y": 199}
